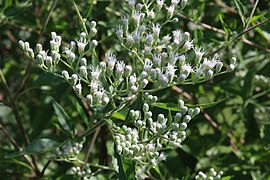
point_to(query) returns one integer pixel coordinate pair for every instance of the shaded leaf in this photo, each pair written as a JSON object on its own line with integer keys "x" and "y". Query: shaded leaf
{"x": 174, "y": 107}
{"x": 240, "y": 9}
{"x": 39, "y": 146}
{"x": 62, "y": 117}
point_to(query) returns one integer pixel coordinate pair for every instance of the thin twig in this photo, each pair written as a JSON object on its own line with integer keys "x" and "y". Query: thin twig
{"x": 15, "y": 144}
{"x": 91, "y": 145}
{"x": 206, "y": 26}
{"x": 45, "y": 167}
{"x": 91, "y": 130}
{"x": 48, "y": 18}
{"x": 220, "y": 31}
{"x": 80, "y": 18}
{"x": 239, "y": 35}
{"x": 226, "y": 7}
{"x": 252, "y": 13}
{"x": 14, "y": 108}
{"x": 21, "y": 27}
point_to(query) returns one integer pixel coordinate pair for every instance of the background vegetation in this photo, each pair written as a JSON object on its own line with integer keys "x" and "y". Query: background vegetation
{"x": 230, "y": 134}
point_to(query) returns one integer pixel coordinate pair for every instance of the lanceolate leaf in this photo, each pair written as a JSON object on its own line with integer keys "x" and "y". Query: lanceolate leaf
{"x": 62, "y": 117}
{"x": 174, "y": 107}
{"x": 39, "y": 146}
{"x": 240, "y": 9}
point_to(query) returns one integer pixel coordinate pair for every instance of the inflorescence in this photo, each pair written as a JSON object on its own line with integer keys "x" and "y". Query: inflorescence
{"x": 161, "y": 60}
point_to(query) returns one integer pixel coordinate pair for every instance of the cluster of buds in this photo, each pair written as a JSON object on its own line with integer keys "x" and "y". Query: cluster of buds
{"x": 84, "y": 172}
{"x": 45, "y": 61}
{"x": 211, "y": 175}
{"x": 69, "y": 150}
{"x": 145, "y": 142}
{"x": 261, "y": 82}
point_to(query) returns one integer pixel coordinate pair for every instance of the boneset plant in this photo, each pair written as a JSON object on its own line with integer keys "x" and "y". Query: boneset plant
{"x": 159, "y": 57}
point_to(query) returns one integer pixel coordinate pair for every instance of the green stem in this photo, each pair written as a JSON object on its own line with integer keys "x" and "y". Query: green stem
{"x": 80, "y": 18}
{"x": 91, "y": 130}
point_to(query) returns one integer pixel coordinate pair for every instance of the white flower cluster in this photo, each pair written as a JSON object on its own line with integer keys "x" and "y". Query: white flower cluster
{"x": 166, "y": 59}
{"x": 211, "y": 175}
{"x": 69, "y": 150}
{"x": 144, "y": 142}
{"x": 45, "y": 61}
{"x": 162, "y": 60}
{"x": 82, "y": 172}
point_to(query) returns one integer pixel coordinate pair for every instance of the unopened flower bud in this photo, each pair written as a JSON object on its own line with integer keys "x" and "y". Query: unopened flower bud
{"x": 48, "y": 62}
{"x": 56, "y": 57}
{"x": 83, "y": 71}
{"x": 196, "y": 111}
{"x": 148, "y": 115}
{"x": 71, "y": 57}
{"x": 128, "y": 70}
{"x": 209, "y": 74}
{"x": 161, "y": 118}
{"x": 145, "y": 107}
{"x": 183, "y": 126}
{"x": 83, "y": 62}
{"x": 182, "y": 77}
{"x": 219, "y": 66}
{"x": 72, "y": 46}
{"x": 93, "y": 44}
{"x": 74, "y": 79}
{"x": 184, "y": 109}
{"x": 105, "y": 100}
{"x": 93, "y": 32}
{"x": 139, "y": 6}
{"x": 181, "y": 103}
{"x": 102, "y": 65}
{"x": 178, "y": 117}
{"x": 38, "y": 48}
{"x": 21, "y": 44}
{"x": 65, "y": 75}
{"x": 78, "y": 89}
{"x": 89, "y": 98}
{"x": 54, "y": 45}
{"x": 186, "y": 118}
{"x": 26, "y": 46}
{"x": 133, "y": 89}
{"x": 40, "y": 60}
{"x": 143, "y": 83}
{"x": 30, "y": 53}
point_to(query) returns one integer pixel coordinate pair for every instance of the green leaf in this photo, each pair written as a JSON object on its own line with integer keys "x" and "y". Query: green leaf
{"x": 40, "y": 146}
{"x": 240, "y": 9}
{"x": 62, "y": 117}
{"x": 129, "y": 166}
{"x": 121, "y": 174}
{"x": 174, "y": 107}
{"x": 121, "y": 115}
{"x": 226, "y": 29}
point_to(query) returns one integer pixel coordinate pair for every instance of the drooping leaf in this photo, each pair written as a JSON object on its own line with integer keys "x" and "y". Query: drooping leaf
{"x": 240, "y": 9}
{"x": 174, "y": 107}
{"x": 226, "y": 29}
{"x": 121, "y": 174}
{"x": 40, "y": 146}
{"x": 62, "y": 117}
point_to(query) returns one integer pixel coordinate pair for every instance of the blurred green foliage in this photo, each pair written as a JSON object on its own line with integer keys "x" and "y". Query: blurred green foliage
{"x": 231, "y": 134}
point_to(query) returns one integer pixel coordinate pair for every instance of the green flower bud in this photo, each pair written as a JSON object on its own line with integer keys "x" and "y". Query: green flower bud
{"x": 65, "y": 75}
{"x": 145, "y": 107}
{"x": 186, "y": 118}
{"x": 183, "y": 126}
